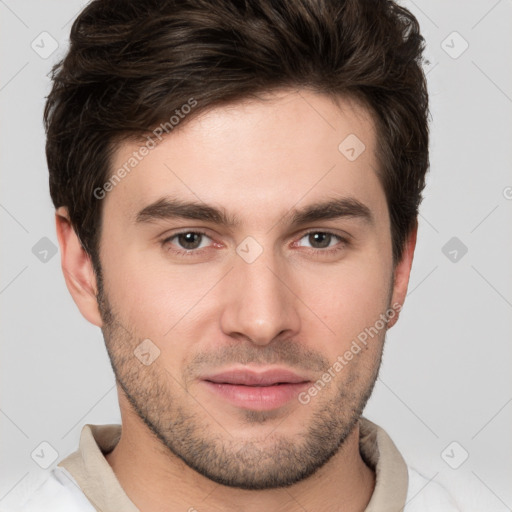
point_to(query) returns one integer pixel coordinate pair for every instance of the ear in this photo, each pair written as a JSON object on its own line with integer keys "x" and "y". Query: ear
{"x": 77, "y": 268}
{"x": 402, "y": 273}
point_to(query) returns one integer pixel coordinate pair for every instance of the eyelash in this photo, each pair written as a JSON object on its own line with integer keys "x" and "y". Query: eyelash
{"x": 192, "y": 252}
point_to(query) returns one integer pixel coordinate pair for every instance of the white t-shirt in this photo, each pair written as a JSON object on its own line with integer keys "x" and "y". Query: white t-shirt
{"x": 60, "y": 493}
{"x": 398, "y": 487}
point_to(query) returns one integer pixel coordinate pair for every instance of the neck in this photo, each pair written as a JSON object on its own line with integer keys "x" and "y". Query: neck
{"x": 156, "y": 480}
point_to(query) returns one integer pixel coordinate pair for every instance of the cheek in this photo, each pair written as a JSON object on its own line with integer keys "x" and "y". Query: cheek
{"x": 152, "y": 298}
{"x": 347, "y": 299}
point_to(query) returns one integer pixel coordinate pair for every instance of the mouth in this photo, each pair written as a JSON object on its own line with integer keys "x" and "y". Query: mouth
{"x": 263, "y": 378}
{"x": 252, "y": 385}
{"x": 264, "y": 390}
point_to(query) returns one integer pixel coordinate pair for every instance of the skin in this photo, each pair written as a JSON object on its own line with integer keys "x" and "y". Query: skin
{"x": 182, "y": 446}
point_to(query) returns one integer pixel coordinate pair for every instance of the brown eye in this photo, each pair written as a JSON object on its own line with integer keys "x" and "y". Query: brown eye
{"x": 190, "y": 240}
{"x": 323, "y": 243}
{"x": 322, "y": 239}
{"x": 319, "y": 239}
{"x": 187, "y": 242}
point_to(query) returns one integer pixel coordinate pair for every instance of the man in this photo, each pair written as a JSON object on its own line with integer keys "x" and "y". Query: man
{"x": 236, "y": 188}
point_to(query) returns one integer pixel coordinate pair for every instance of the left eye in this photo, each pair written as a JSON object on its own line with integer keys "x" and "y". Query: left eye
{"x": 322, "y": 239}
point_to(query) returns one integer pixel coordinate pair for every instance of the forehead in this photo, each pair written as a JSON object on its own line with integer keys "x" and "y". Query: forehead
{"x": 258, "y": 157}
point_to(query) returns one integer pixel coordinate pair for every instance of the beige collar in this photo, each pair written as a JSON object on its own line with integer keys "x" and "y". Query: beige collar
{"x": 98, "y": 482}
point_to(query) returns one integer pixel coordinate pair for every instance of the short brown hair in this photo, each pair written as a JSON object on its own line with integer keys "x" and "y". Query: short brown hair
{"x": 132, "y": 63}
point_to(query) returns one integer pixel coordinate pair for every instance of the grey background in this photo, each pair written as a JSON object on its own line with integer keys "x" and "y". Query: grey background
{"x": 446, "y": 371}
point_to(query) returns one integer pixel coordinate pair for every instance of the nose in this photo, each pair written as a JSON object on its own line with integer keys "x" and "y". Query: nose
{"x": 260, "y": 303}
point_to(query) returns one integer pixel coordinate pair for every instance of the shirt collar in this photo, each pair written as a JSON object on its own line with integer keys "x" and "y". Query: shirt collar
{"x": 391, "y": 474}
{"x": 98, "y": 482}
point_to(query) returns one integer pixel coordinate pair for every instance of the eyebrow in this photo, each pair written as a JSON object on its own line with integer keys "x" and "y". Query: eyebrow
{"x": 331, "y": 209}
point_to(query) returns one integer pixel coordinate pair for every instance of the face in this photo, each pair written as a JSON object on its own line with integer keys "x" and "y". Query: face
{"x": 256, "y": 275}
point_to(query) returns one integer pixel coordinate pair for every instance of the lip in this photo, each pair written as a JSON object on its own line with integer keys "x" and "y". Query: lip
{"x": 265, "y": 390}
{"x": 267, "y": 377}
